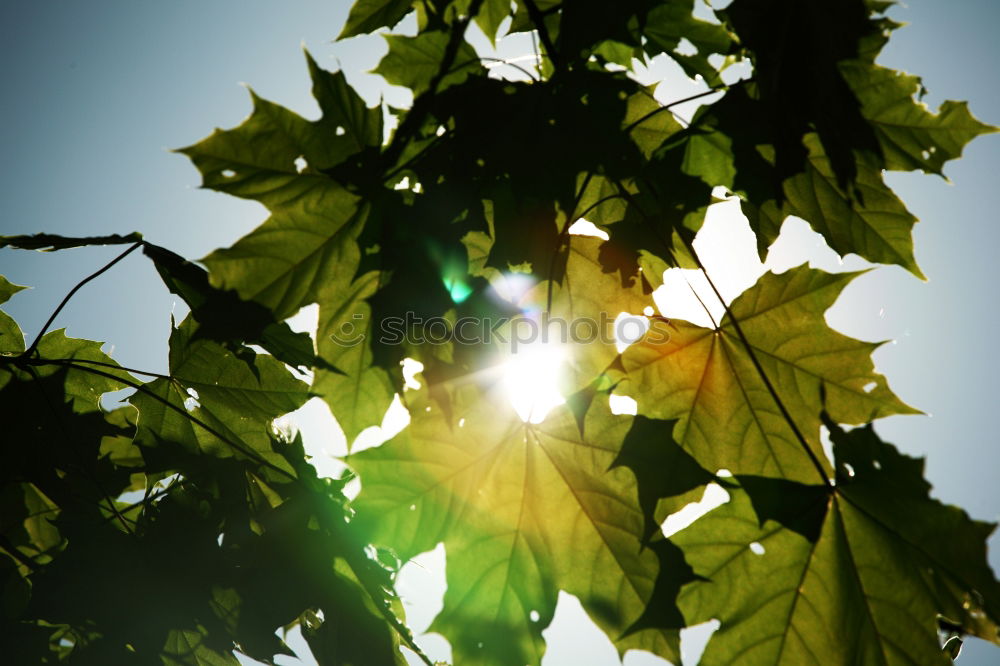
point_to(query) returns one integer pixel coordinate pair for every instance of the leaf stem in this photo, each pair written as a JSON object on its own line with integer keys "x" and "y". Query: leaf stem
{"x": 191, "y": 417}
{"x": 701, "y": 302}
{"x": 666, "y": 107}
{"x": 65, "y": 361}
{"x": 760, "y": 371}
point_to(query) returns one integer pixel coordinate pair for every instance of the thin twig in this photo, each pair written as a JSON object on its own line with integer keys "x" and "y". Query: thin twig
{"x": 183, "y": 412}
{"x": 34, "y": 345}
{"x": 502, "y": 61}
{"x": 667, "y": 107}
{"x": 405, "y": 165}
{"x": 115, "y": 366}
{"x": 543, "y": 33}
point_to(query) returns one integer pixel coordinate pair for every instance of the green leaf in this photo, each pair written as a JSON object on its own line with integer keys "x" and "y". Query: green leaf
{"x": 727, "y": 418}
{"x": 26, "y": 528}
{"x": 662, "y": 468}
{"x": 649, "y": 125}
{"x": 709, "y": 155}
{"x": 8, "y": 289}
{"x": 356, "y": 127}
{"x": 414, "y": 62}
{"x": 309, "y": 239}
{"x": 186, "y": 647}
{"x": 288, "y": 260}
{"x": 236, "y": 399}
{"x": 370, "y": 15}
{"x": 664, "y": 208}
{"x": 57, "y": 468}
{"x": 600, "y": 201}
{"x": 361, "y": 392}
{"x": 796, "y": 47}
{"x": 83, "y": 389}
{"x": 358, "y": 634}
{"x": 856, "y": 573}
{"x": 911, "y": 136}
{"x": 584, "y": 309}
{"x": 872, "y": 222}
{"x": 523, "y": 510}
{"x": 225, "y": 318}
{"x": 491, "y": 15}
{"x": 670, "y": 22}
{"x": 11, "y": 337}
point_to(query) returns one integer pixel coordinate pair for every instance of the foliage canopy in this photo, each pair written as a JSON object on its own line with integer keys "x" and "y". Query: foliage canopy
{"x": 190, "y": 494}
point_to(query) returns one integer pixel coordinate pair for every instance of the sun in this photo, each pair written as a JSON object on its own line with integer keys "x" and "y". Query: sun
{"x": 531, "y": 378}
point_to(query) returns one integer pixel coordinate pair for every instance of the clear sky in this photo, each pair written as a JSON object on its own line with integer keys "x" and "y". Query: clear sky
{"x": 95, "y": 92}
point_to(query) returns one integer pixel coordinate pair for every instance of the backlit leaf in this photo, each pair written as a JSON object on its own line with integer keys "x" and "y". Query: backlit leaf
{"x": 856, "y": 573}
{"x": 415, "y": 62}
{"x": 370, "y": 15}
{"x": 276, "y": 157}
{"x": 523, "y": 510}
{"x": 359, "y": 395}
{"x": 238, "y": 401}
{"x": 11, "y": 337}
{"x": 911, "y": 136}
{"x": 872, "y": 222}
{"x": 727, "y": 418}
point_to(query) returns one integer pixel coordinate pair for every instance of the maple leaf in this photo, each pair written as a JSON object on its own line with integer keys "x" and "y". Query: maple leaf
{"x": 583, "y": 310}
{"x": 59, "y": 423}
{"x": 414, "y": 62}
{"x": 360, "y": 394}
{"x": 237, "y": 401}
{"x": 11, "y": 337}
{"x": 726, "y": 416}
{"x": 796, "y": 46}
{"x": 859, "y": 572}
{"x": 911, "y": 136}
{"x": 524, "y": 510}
{"x": 872, "y": 222}
{"x": 370, "y": 15}
{"x": 278, "y": 158}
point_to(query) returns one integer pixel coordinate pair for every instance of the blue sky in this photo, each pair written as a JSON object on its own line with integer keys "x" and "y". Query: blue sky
{"x": 95, "y": 93}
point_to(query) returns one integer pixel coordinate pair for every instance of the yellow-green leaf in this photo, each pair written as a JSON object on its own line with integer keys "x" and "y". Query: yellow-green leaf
{"x": 361, "y": 392}
{"x": 524, "y": 510}
{"x": 727, "y": 418}
{"x": 911, "y": 135}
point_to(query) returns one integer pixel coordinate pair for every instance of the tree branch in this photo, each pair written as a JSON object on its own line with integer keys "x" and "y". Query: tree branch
{"x": 543, "y": 33}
